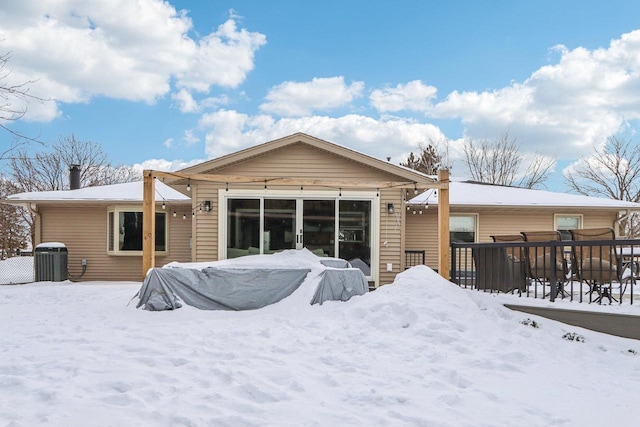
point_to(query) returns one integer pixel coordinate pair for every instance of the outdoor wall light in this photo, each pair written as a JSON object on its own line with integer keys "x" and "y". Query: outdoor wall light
{"x": 390, "y": 209}
{"x": 207, "y": 205}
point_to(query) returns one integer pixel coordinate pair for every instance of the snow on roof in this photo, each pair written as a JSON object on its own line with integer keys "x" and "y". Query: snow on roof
{"x": 127, "y": 192}
{"x": 470, "y": 193}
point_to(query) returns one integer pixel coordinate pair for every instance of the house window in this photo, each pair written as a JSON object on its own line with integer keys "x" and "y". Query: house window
{"x": 124, "y": 229}
{"x": 324, "y": 224}
{"x": 564, "y": 223}
{"x": 462, "y": 228}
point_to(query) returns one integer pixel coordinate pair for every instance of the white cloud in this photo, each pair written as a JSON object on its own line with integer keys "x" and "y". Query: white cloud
{"x": 414, "y": 95}
{"x": 189, "y": 138}
{"x": 228, "y": 131}
{"x": 563, "y": 108}
{"x": 186, "y": 103}
{"x": 77, "y": 50}
{"x": 166, "y": 165}
{"x": 303, "y": 98}
{"x": 222, "y": 58}
{"x": 168, "y": 142}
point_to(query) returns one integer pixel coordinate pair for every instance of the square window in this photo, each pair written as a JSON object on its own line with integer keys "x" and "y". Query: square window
{"x": 462, "y": 228}
{"x": 124, "y": 229}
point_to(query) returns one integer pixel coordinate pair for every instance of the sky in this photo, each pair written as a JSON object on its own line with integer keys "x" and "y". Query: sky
{"x": 421, "y": 351}
{"x": 164, "y": 85}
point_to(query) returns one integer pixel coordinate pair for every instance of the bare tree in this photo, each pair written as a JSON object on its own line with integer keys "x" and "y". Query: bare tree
{"x": 501, "y": 162}
{"x": 14, "y": 231}
{"x": 8, "y": 95}
{"x": 427, "y": 161}
{"x": 49, "y": 171}
{"x": 611, "y": 171}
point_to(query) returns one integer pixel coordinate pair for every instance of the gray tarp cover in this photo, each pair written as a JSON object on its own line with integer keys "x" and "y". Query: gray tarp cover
{"x": 218, "y": 288}
{"x": 241, "y": 288}
{"x": 340, "y": 284}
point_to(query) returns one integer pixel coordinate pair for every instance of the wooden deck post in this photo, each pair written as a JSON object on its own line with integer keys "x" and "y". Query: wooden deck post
{"x": 444, "y": 254}
{"x": 148, "y": 222}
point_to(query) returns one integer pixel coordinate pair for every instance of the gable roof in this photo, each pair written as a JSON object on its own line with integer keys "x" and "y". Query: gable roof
{"x": 471, "y": 193}
{"x": 406, "y": 174}
{"x": 122, "y": 193}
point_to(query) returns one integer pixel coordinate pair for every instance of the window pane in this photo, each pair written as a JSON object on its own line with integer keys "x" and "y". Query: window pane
{"x": 319, "y": 226}
{"x": 355, "y": 233}
{"x": 130, "y": 236}
{"x": 279, "y": 225}
{"x": 462, "y": 229}
{"x": 243, "y": 227}
{"x": 161, "y": 235}
{"x": 130, "y": 231}
{"x": 565, "y": 223}
{"x": 111, "y": 231}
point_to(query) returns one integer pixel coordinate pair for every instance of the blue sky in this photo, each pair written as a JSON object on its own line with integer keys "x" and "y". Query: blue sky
{"x": 164, "y": 85}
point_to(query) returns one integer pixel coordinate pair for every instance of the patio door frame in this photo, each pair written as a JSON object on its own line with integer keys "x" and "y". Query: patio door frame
{"x": 300, "y": 196}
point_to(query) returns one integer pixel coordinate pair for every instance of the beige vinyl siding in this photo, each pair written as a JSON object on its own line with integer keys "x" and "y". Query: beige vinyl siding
{"x": 513, "y": 221}
{"x": 421, "y": 233}
{"x": 595, "y": 219}
{"x": 391, "y": 232}
{"x": 422, "y": 230}
{"x": 303, "y": 161}
{"x": 205, "y": 246}
{"x": 62, "y": 224}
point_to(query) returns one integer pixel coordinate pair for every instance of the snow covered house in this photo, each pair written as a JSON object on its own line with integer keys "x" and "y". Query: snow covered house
{"x": 103, "y": 225}
{"x": 479, "y": 211}
{"x": 295, "y": 192}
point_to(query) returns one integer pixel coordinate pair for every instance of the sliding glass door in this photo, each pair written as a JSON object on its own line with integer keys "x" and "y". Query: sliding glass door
{"x": 354, "y": 233}
{"x": 327, "y": 226}
{"x": 319, "y": 226}
{"x": 279, "y": 225}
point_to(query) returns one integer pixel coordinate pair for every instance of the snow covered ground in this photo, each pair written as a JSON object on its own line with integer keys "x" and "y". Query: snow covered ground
{"x": 419, "y": 352}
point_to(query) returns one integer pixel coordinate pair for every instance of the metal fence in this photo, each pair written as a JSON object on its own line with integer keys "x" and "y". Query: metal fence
{"x": 413, "y": 258}
{"x": 597, "y": 271}
{"x": 16, "y": 270}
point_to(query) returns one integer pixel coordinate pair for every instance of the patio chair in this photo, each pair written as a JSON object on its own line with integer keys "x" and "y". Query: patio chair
{"x": 516, "y": 253}
{"x": 597, "y": 265}
{"x": 508, "y": 238}
{"x": 541, "y": 267}
{"x": 496, "y": 271}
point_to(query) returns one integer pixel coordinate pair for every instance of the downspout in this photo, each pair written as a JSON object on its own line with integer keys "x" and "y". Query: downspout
{"x": 616, "y": 222}
{"x": 37, "y": 228}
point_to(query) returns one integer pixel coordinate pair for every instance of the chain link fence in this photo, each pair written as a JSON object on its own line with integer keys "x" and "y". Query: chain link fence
{"x": 16, "y": 270}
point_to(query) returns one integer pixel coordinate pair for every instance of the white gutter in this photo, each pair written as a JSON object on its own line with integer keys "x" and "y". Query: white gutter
{"x": 37, "y": 231}
{"x": 617, "y": 221}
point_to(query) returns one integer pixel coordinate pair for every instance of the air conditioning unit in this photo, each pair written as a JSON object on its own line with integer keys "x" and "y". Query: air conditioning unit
{"x": 51, "y": 262}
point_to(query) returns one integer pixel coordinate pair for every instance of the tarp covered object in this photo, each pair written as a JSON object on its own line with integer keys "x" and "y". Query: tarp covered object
{"x": 218, "y": 288}
{"x": 340, "y": 284}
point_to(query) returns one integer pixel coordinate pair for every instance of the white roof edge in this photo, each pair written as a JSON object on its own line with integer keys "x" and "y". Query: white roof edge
{"x": 467, "y": 193}
{"x": 126, "y": 192}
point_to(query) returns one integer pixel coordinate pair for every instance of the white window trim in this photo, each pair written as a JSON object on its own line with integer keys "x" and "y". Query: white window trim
{"x": 116, "y": 209}
{"x": 373, "y": 196}
{"x": 476, "y": 223}
{"x": 579, "y": 216}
